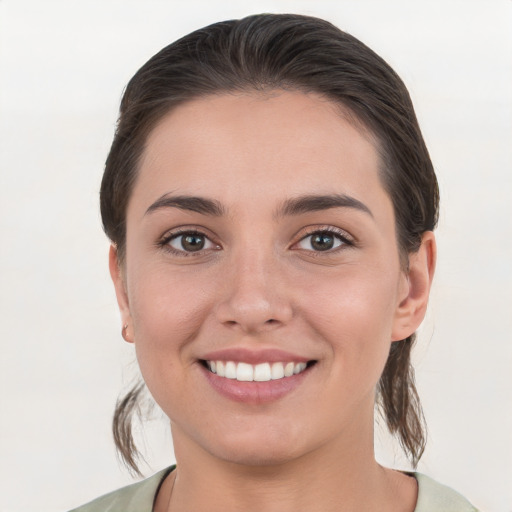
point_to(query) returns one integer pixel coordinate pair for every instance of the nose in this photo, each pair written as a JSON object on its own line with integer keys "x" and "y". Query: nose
{"x": 256, "y": 297}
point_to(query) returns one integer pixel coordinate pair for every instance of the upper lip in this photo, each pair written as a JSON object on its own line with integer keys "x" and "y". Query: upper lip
{"x": 245, "y": 355}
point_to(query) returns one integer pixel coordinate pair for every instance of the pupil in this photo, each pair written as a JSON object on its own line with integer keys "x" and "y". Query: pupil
{"x": 322, "y": 242}
{"x": 192, "y": 242}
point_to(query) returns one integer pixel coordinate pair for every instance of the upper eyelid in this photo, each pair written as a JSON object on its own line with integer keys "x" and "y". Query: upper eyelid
{"x": 183, "y": 230}
{"x": 311, "y": 230}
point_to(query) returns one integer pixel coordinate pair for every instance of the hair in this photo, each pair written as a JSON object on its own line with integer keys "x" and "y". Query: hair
{"x": 271, "y": 52}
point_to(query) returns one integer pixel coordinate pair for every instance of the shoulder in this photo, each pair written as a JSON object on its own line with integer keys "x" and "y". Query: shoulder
{"x": 137, "y": 497}
{"x": 433, "y": 497}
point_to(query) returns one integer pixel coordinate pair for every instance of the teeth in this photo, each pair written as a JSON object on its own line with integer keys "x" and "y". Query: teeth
{"x": 244, "y": 372}
{"x": 299, "y": 367}
{"x": 277, "y": 371}
{"x": 263, "y": 372}
{"x": 230, "y": 370}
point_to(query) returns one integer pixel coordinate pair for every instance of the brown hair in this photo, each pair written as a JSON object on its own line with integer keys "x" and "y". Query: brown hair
{"x": 300, "y": 53}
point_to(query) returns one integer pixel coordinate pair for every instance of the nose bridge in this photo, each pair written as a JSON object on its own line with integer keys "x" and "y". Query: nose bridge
{"x": 256, "y": 295}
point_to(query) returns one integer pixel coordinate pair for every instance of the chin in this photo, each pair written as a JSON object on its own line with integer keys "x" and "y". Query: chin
{"x": 258, "y": 447}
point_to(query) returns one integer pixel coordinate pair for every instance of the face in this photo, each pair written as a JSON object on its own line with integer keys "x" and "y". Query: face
{"x": 262, "y": 283}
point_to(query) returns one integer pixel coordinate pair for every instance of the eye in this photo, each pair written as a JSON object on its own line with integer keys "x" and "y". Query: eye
{"x": 189, "y": 242}
{"x": 324, "y": 240}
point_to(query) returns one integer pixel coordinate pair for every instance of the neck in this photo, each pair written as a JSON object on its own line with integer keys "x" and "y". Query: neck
{"x": 339, "y": 476}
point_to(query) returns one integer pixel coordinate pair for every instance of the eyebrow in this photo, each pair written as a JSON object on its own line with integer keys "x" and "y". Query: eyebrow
{"x": 295, "y": 206}
{"x": 192, "y": 203}
{"x": 314, "y": 203}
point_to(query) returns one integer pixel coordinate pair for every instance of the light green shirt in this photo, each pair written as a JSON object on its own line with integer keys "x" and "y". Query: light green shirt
{"x": 139, "y": 497}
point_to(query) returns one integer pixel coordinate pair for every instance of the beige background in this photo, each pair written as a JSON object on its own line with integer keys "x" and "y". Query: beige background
{"x": 63, "y": 66}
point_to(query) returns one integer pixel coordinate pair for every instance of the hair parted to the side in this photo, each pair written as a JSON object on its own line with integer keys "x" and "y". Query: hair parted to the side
{"x": 300, "y": 53}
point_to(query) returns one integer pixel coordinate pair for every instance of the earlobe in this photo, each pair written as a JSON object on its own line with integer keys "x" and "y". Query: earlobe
{"x": 416, "y": 289}
{"x": 121, "y": 295}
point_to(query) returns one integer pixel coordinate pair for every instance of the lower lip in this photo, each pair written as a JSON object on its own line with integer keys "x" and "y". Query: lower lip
{"x": 255, "y": 392}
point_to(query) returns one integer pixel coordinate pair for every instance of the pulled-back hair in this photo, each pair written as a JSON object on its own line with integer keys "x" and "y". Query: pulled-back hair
{"x": 298, "y": 53}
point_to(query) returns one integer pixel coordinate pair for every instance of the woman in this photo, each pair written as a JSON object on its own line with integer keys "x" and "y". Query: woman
{"x": 270, "y": 202}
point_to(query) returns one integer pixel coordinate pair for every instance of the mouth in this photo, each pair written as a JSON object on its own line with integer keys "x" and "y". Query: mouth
{"x": 255, "y": 376}
{"x": 262, "y": 372}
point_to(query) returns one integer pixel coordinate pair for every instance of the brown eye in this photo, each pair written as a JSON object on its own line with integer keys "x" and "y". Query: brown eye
{"x": 190, "y": 242}
{"x": 321, "y": 241}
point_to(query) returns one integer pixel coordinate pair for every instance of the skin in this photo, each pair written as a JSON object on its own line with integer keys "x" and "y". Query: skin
{"x": 259, "y": 283}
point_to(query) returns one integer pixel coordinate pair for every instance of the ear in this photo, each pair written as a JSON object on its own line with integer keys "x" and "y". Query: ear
{"x": 415, "y": 288}
{"x": 120, "y": 288}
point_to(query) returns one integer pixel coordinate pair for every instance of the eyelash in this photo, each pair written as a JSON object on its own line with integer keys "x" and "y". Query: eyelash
{"x": 345, "y": 239}
{"x": 164, "y": 243}
{"x": 342, "y": 236}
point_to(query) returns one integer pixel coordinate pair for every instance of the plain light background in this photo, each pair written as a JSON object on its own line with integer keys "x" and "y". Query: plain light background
{"x": 63, "y": 66}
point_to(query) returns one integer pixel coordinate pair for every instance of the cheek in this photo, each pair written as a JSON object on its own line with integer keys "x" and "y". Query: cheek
{"x": 354, "y": 313}
{"x": 168, "y": 312}
{"x": 358, "y": 296}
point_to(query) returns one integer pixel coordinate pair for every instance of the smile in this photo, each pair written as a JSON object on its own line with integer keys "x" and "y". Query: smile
{"x": 263, "y": 372}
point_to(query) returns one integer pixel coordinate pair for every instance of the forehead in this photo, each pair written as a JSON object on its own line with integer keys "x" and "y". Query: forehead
{"x": 258, "y": 143}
